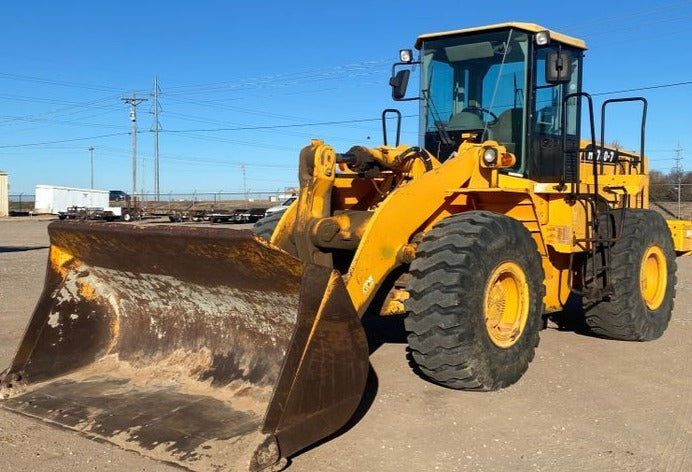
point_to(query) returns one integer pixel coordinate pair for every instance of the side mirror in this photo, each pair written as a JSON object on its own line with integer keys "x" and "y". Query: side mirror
{"x": 399, "y": 84}
{"x": 558, "y": 68}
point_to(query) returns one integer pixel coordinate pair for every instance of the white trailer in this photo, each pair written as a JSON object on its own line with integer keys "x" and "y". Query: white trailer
{"x": 4, "y": 195}
{"x": 54, "y": 199}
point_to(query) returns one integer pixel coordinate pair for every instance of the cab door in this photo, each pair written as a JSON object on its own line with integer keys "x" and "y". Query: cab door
{"x": 545, "y": 131}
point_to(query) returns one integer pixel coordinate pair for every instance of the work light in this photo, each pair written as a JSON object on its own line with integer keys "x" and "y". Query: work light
{"x": 490, "y": 156}
{"x": 542, "y": 38}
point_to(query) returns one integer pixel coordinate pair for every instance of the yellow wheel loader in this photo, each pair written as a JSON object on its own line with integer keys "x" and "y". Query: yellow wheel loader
{"x": 217, "y": 349}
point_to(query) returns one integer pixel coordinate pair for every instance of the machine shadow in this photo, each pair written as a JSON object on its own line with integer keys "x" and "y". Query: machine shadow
{"x": 383, "y": 329}
{"x": 378, "y": 330}
{"x": 572, "y": 317}
{"x": 366, "y": 402}
{"x": 4, "y": 249}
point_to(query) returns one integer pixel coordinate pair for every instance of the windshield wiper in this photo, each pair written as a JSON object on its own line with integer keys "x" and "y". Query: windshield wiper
{"x": 439, "y": 124}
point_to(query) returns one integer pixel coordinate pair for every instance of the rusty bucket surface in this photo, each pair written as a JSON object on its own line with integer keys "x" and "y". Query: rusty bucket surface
{"x": 205, "y": 347}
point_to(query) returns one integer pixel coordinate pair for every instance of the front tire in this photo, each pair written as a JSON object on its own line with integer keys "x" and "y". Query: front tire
{"x": 643, "y": 279}
{"x": 476, "y": 301}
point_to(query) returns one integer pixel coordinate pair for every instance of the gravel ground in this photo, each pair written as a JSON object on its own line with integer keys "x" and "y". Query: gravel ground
{"x": 584, "y": 404}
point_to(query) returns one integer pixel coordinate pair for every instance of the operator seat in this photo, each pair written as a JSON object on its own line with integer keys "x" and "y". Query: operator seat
{"x": 506, "y": 130}
{"x": 465, "y": 120}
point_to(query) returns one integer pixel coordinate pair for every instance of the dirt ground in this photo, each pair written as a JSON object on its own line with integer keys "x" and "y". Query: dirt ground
{"x": 584, "y": 404}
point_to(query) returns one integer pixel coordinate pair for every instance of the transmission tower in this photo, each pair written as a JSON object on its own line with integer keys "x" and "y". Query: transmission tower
{"x": 678, "y": 172}
{"x": 156, "y": 109}
{"x": 133, "y": 102}
{"x": 247, "y": 198}
{"x": 91, "y": 161}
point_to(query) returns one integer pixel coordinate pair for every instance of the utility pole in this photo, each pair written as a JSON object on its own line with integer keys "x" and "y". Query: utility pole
{"x": 678, "y": 171}
{"x": 91, "y": 160}
{"x": 155, "y": 129}
{"x": 242, "y": 167}
{"x": 133, "y": 102}
{"x": 144, "y": 180}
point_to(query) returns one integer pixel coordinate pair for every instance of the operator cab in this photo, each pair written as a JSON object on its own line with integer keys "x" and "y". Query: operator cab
{"x": 505, "y": 83}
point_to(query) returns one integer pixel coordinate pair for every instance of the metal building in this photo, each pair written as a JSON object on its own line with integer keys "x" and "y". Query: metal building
{"x": 4, "y": 194}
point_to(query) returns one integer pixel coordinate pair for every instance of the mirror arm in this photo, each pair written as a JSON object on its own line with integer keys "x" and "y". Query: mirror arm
{"x": 545, "y": 86}
{"x": 412, "y": 63}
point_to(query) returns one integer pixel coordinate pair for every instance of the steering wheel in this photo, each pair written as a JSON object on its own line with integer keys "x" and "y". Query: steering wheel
{"x": 482, "y": 110}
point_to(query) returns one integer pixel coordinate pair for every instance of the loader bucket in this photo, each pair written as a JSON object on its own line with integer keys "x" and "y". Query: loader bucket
{"x": 204, "y": 347}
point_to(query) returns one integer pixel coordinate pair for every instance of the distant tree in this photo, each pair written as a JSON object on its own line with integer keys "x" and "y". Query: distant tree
{"x": 686, "y": 191}
{"x": 664, "y": 187}
{"x": 659, "y": 187}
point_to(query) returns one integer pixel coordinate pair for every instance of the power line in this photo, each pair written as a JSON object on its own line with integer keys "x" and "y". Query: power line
{"x": 60, "y": 83}
{"x": 30, "y": 99}
{"x": 253, "y": 144}
{"x": 639, "y": 89}
{"x": 52, "y": 117}
{"x": 617, "y": 18}
{"x": 65, "y": 123}
{"x": 325, "y": 123}
{"x": 5, "y": 146}
{"x": 321, "y": 123}
{"x": 197, "y": 160}
{"x": 296, "y": 125}
{"x": 85, "y": 105}
{"x": 246, "y": 111}
{"x": 338, "y": 72}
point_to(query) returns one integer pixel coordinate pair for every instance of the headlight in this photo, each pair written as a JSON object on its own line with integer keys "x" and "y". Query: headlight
{"x": 406, "y": 55}
{"x": 542, "y": 38}
{"x": 490, "y": 156}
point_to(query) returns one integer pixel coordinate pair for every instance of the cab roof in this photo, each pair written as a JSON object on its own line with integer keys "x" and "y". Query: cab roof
{"x": 529, "y": 27}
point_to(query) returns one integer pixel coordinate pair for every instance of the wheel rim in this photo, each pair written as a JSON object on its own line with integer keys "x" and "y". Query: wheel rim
{"x": 506, "y": 304}
{"x": 653, "y": 277}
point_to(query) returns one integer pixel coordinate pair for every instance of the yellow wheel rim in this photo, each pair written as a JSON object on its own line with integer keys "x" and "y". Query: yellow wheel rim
{"x": 653, "y": 277}
{"x": 506, "y": 306}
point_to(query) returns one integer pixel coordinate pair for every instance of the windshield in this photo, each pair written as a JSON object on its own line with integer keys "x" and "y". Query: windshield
{"x": 474, "y": 83}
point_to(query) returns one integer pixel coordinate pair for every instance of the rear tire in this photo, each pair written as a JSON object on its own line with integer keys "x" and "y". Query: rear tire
{"x": 476, "y": 301}
{"x": 643, "y": 280}
{"x": 264, "y": 228}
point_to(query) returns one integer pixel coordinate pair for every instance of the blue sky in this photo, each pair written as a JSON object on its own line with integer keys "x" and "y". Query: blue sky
{"x": 221, "y": 65}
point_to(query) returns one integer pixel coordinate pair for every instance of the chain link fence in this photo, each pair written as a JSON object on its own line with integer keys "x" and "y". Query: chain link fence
{"x": 664, "y": 198}
{"x": 24, "y": 203}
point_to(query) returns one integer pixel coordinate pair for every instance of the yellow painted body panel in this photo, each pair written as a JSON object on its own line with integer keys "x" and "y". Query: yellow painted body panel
{"x": 681, "y": 230}
{"x": 382, "y": 217}
{"x": 403, "y": 204}
{"x": 400, "y": 216}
